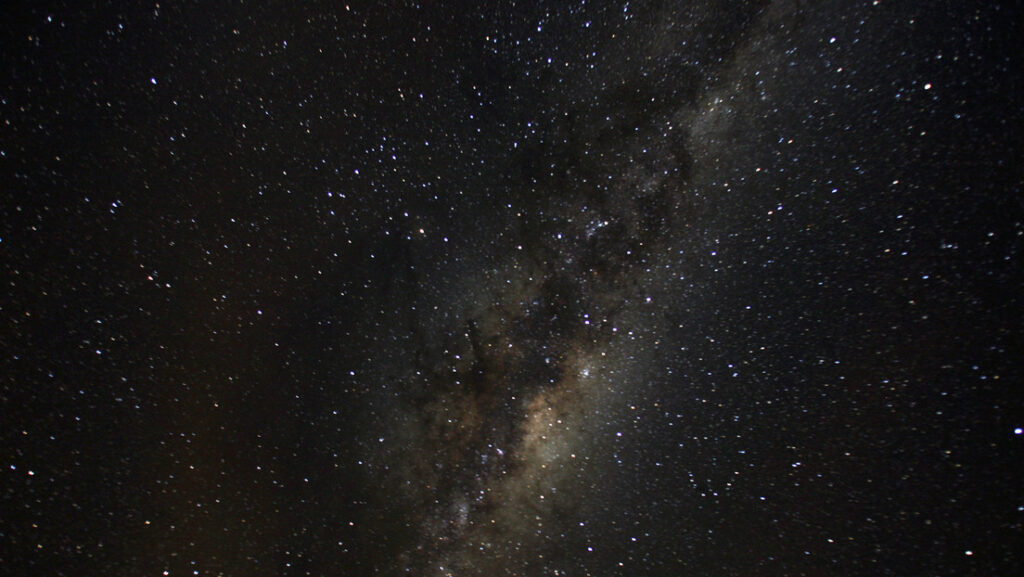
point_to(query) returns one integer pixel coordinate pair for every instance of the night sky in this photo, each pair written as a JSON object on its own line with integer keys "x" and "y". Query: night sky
{"x": 512, "y": 288}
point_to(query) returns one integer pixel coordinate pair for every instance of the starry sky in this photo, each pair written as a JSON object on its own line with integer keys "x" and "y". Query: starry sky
{"x": 511, "y": 288}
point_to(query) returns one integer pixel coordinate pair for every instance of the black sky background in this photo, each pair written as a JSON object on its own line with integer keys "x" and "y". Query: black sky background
{"x": 761, "y": 258}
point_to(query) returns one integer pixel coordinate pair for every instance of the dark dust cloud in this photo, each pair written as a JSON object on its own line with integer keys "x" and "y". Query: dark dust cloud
{"x": 517, "y": 288}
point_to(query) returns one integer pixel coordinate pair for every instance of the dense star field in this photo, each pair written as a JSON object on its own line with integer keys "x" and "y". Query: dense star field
{"x": 512, "y": 288}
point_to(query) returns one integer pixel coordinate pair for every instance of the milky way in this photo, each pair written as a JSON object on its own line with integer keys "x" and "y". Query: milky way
{"x": 547, "y": 344}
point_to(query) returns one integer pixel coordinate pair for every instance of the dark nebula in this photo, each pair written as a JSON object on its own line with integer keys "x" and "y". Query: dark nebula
{"x": 521, "y": 289}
